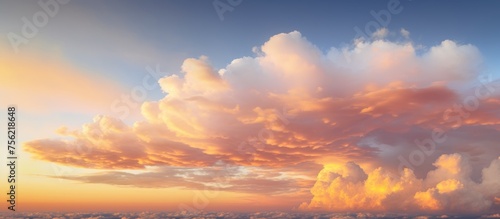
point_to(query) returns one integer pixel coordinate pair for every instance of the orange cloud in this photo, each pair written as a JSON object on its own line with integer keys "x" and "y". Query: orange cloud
{"x": 448, "y": 188}
{"x": 292, "y": 104}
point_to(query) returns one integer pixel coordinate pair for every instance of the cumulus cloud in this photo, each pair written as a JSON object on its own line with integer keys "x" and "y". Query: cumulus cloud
{"x": 405, "y": 33}
{"x": 380, "y": 33}
{"x": 293, "y": 104}
{"x": 448, "y": 188}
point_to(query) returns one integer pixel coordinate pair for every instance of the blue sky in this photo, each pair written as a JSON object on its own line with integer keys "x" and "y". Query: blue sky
{"x": 170, "y": 31}
{"x": 193, "y": 27}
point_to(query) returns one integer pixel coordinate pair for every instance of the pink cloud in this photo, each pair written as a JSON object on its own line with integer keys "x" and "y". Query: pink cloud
{"x": 293, "y": 104}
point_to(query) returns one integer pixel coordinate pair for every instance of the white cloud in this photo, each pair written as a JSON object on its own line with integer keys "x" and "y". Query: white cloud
{"x": 405, "y": 33}
{"x": 380, "y": 33}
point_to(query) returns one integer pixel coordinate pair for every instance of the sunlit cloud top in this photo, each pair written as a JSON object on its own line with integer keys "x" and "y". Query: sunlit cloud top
{"x": 372, "y": 103}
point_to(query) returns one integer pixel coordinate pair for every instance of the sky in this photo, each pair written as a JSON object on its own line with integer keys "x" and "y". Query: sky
{"x": 239, "y": 105}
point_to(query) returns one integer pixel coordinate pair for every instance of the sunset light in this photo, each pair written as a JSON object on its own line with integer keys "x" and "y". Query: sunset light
{"x": 250, "y": 109}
